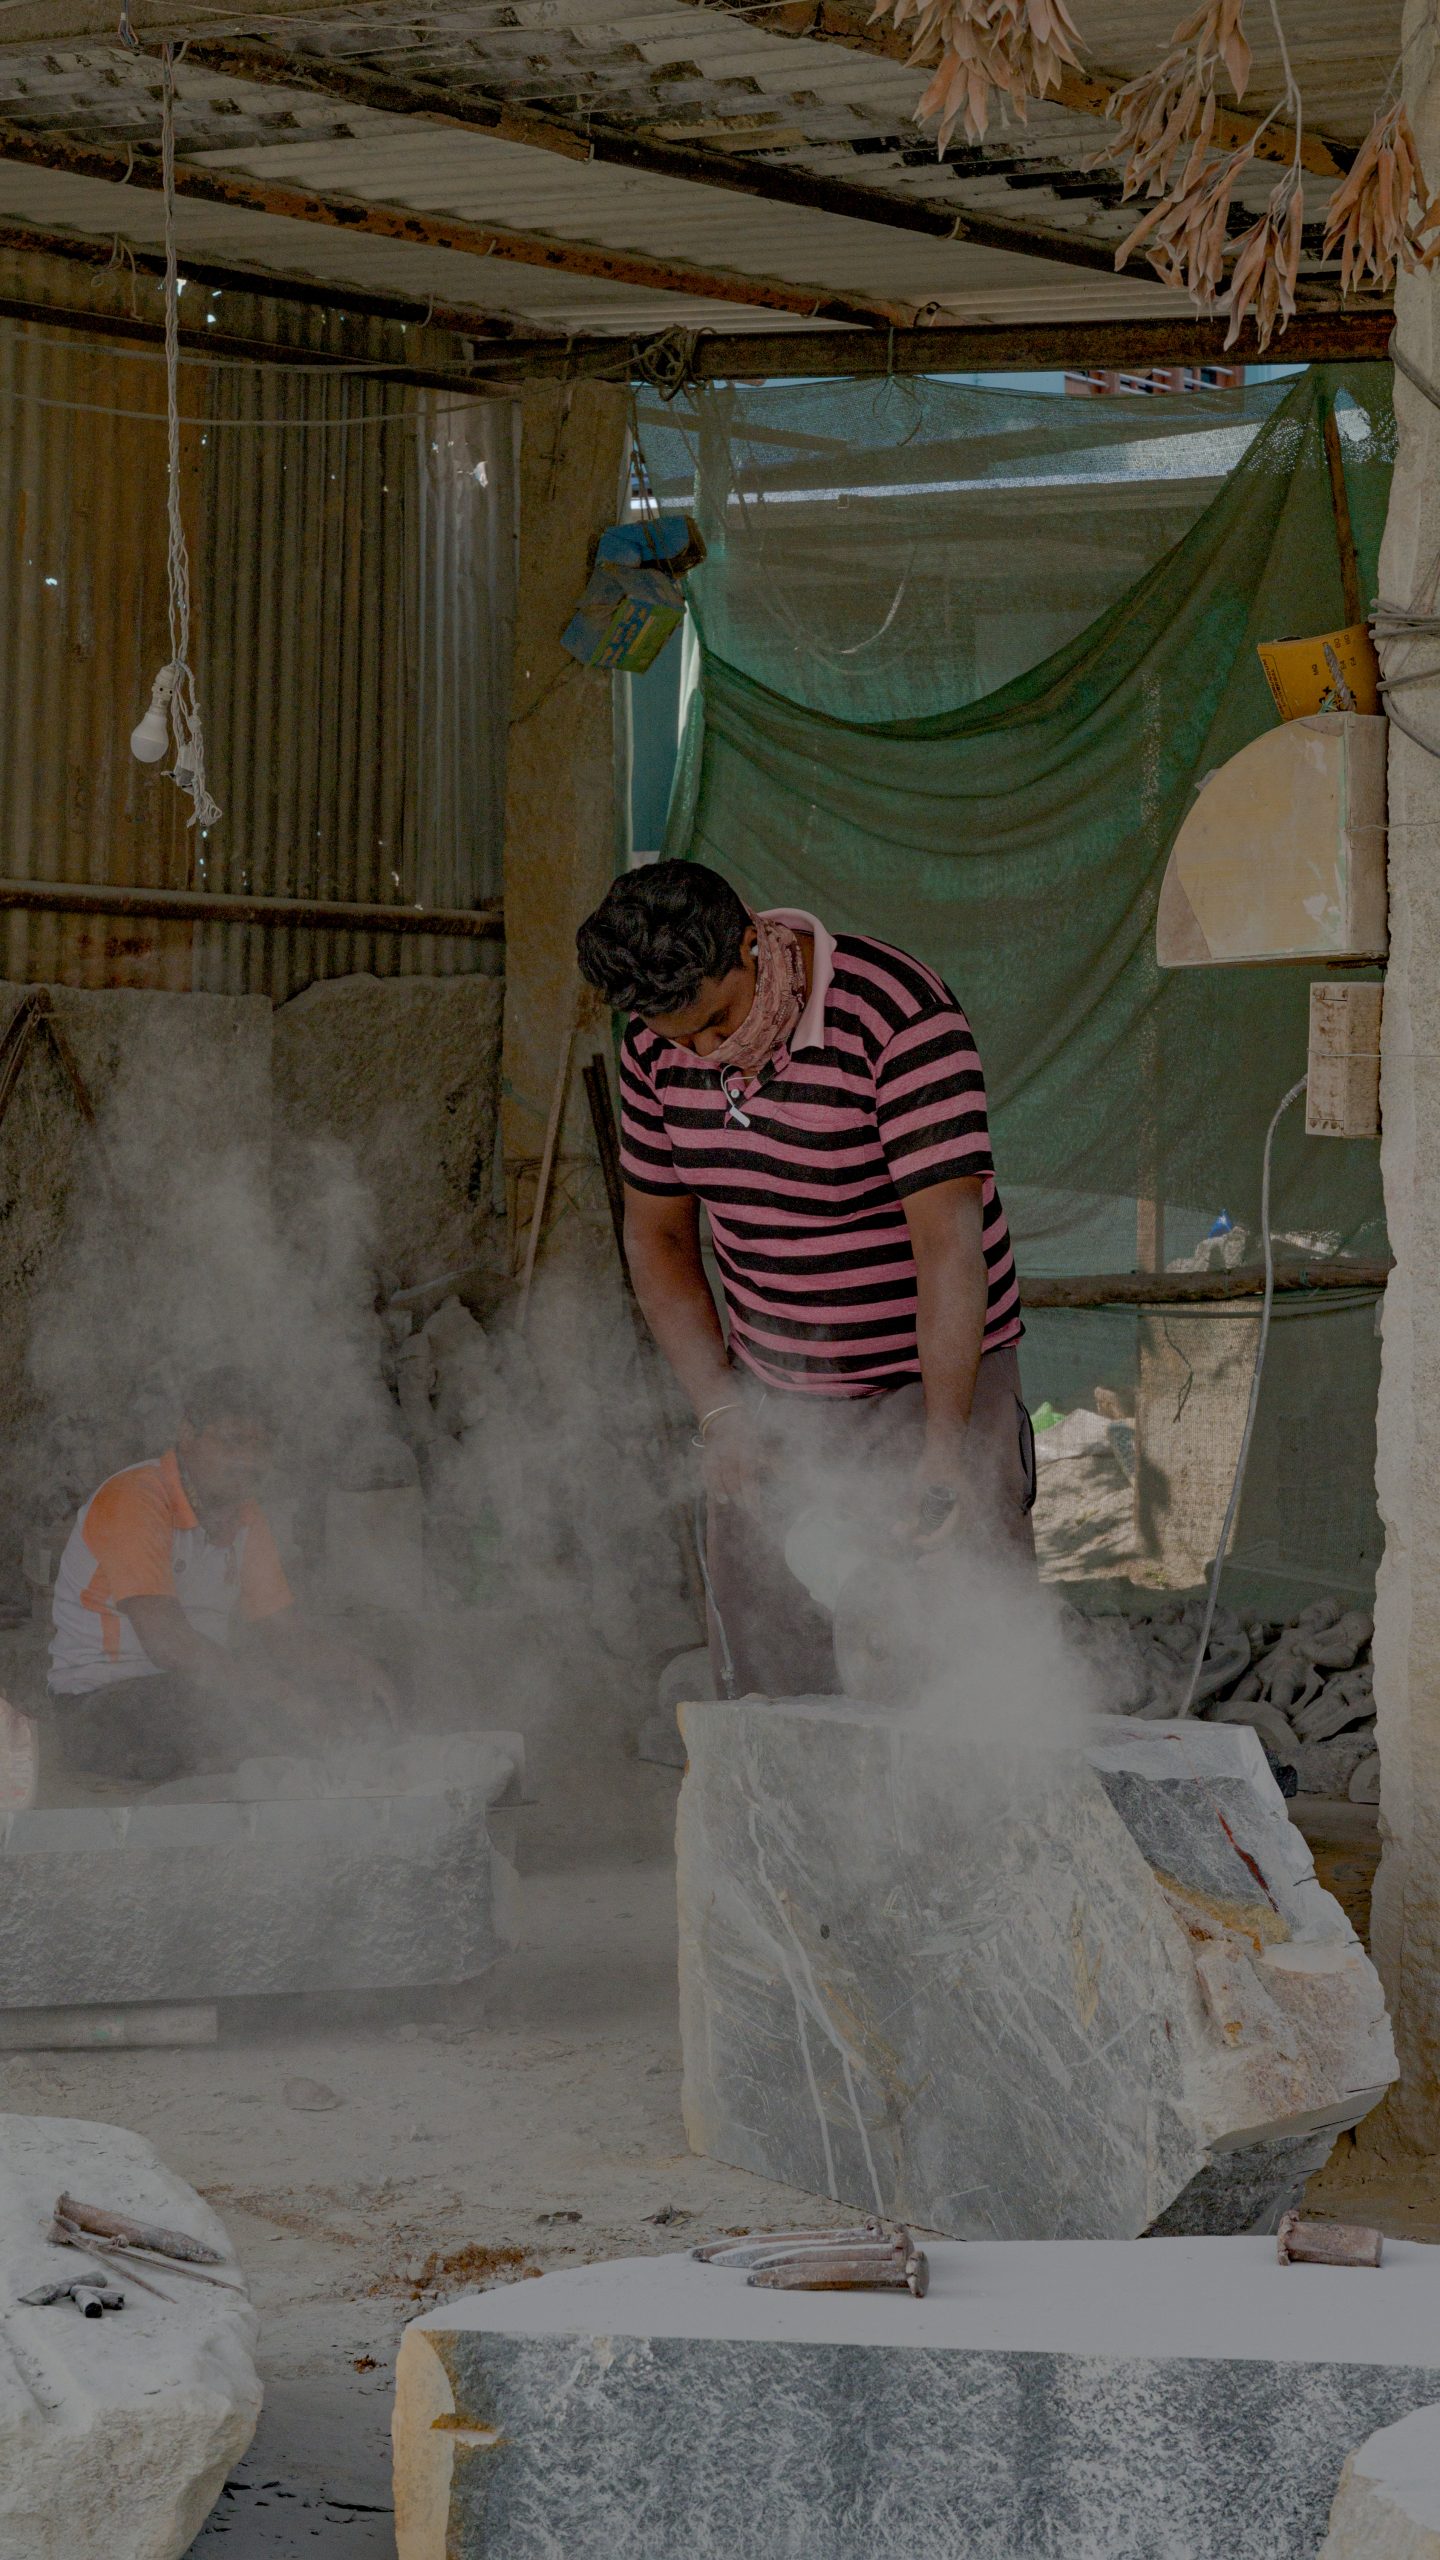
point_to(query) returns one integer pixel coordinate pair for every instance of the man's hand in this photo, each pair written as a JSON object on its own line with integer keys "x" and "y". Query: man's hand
{"x": 936, "y": 1504}
{"x": 736, "y": 1462}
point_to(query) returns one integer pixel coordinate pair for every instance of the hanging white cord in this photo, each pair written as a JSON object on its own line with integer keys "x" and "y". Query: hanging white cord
{"x": 185, "y": 723}
{"x": 1235, "y": 1491}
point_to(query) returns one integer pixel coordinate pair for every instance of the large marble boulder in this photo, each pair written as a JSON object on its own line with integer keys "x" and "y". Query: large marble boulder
{"x": 1086, "y": 1991}
{"x": 115, "y": 2434}
{"x": 1056, "y": 2400}
{"x": 1387, "y": 2506}
{"x": 364, "y": 1869}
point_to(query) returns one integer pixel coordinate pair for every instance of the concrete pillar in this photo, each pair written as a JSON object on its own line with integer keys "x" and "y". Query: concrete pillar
{"x": 560, "y": 787}
{"x": 1407, "y": 1636}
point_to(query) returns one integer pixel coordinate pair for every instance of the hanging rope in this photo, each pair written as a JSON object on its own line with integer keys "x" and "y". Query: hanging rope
{"x": 184, "y": 704}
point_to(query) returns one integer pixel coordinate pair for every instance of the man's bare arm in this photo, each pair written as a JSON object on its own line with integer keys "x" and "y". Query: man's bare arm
{"x": 174, "y": 1645}
{"x": 289, "y": 1638}
{"x": 946, "y": 1225}
{"x": 662, "y": 1247}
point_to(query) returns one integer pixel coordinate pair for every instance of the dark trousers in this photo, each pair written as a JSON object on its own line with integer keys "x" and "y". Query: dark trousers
{"x": 155, "y": 1727}
{"x": 860, "y": 1450}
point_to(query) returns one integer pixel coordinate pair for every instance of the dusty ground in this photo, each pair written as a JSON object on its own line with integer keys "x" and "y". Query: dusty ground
{"x": 550, "y": 2090}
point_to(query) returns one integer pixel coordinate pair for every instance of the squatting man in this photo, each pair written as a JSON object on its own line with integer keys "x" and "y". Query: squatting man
{"x": 820, "y": 1096}
{"x": 167, "y": 1562}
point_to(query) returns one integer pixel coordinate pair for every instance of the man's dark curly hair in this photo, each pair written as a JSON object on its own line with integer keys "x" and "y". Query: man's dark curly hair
{"x": 225, "y": 1395}
{"x": 659, "y": 933}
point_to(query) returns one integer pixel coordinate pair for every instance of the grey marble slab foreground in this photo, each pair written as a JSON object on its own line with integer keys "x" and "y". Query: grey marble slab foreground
{"x": 1184, "y": 2399}
{"x": 1087, "y": 1992}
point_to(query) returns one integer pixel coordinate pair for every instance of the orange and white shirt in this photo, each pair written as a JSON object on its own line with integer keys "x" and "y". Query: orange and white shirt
{"x": 138, "y": 1539}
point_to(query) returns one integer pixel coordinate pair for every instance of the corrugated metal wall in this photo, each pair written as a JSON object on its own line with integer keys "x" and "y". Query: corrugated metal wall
{"x": 353, "y": 554}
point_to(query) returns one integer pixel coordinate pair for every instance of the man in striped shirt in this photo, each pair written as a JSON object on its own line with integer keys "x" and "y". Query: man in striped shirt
{"x": 821, "y": 1097}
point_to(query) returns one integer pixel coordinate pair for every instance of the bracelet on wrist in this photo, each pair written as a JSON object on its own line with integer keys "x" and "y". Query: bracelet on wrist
{"x": 697, "y": 1437}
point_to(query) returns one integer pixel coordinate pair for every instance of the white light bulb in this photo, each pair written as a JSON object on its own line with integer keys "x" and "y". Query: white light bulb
{"x": 150, "y": 737}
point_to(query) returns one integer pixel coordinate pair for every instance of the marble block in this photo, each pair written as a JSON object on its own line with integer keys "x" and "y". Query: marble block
{"x": 1387, "y": 2506}
{"x": 1050, "y": 2400}
{"x": 1090, "y": 1993}
{"x": 115, "y": 2434}
{"x": 365, "y": 1870}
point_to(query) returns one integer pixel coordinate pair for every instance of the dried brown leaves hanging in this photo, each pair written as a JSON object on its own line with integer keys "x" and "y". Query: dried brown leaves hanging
{"x": 1171, "y": 110}
{"x": 1184, "y": 234}
{"x": 1370, "y": 225}
{"x": 1267, "y": 262}
{"x": 1013, "y": 49}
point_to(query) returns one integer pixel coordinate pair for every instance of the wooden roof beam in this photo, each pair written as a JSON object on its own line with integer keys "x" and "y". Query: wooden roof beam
{"x": 768, "y": 181}
{"x": 357, "y": 215}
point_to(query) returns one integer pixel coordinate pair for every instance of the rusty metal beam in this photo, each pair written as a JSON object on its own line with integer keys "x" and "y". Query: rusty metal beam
{"x": 209, "y": 344}
{"x": 436, "y": 231}
{"x": 1325, "y": 337}
{"x": 205, "y": 906}
{"x": 77, "y": 248}
{"x": 1085, "y": 93}
{"x": 771, "y": 182}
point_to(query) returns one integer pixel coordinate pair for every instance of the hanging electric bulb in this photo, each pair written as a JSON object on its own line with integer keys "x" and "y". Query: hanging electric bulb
{"x": 150, "y": 738}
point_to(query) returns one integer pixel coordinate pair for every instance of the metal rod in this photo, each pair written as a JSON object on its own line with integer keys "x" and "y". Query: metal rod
{"x": 213, "y": 906}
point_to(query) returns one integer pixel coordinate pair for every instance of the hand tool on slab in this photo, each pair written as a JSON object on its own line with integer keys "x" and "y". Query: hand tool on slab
{"x": 1299, "y": 2242}
{"x": 115, "y": 2236}
{"x": 90, "y": 2294}
{"x": 878, "y": 2257}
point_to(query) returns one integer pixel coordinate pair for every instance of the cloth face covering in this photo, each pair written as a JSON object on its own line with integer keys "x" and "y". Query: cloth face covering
{"x": 777, "y": 1007}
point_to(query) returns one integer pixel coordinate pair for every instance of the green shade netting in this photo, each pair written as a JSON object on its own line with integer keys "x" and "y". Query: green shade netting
{"x": 965, "y": 654}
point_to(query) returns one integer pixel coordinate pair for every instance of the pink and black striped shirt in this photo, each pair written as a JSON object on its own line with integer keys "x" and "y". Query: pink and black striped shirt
{"x": 877, "y": 1094}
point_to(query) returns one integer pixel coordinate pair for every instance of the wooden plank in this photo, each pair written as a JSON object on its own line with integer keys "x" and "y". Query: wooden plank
{"x": 355, "y": 215}
{"x": 1340, "y": 508}
{"x": 1197, "y": 1288}
{"x": 214, "y": 906}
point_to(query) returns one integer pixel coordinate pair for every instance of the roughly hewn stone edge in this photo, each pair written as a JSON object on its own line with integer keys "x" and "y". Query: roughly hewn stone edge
{"x": 1366, "y": 2521}
{"x": 423, "y": 2449}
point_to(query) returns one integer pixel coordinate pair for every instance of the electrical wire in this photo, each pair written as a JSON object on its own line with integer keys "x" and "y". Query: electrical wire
{"x": 186, "y": 724}
{"x": 1268, "y": 1239}
{"x": 727, "y": 1659}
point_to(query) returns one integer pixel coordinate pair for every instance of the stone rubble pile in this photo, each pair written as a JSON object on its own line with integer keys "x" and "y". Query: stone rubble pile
{"x": 1305, "y": 1684}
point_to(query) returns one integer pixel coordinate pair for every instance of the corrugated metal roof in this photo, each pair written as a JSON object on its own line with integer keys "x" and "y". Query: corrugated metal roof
{"x": 662, "y": 68}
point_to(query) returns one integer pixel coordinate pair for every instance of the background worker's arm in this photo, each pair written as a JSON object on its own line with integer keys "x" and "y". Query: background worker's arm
{"x": 946, "y": 1224}
{"x": 174, "y": 1645}
{"x": 662, "y": 1247}
{"x": 311, "y": 1652}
